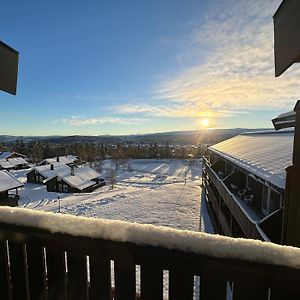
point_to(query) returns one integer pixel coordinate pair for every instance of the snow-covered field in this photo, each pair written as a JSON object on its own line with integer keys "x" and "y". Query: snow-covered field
{"x": 158, "y": 192}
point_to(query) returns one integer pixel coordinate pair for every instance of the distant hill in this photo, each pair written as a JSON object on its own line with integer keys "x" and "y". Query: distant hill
{"x": 175, "y": 137}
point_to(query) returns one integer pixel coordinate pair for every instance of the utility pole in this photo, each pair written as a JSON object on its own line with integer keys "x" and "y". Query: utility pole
{"x": 58, "y": 198}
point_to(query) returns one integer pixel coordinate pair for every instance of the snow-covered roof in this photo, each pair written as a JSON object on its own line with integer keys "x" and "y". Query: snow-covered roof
{"x": 265, "y": 154}
{"x": 68, "y": 159}
{"x": 58, "y": 169}
{"x": 8, "y": 181}
{"x": 7, "y": 154}
{"x": 200, "y": 243}
{"x": 82, "y": 177}
{"x": 12, "y": 162}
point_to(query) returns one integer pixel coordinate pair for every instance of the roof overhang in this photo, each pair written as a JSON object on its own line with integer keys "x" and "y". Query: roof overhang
{"x": 286, "y": 35}
{"x": 285, "y": 120}
{"x": 9, "y": 59}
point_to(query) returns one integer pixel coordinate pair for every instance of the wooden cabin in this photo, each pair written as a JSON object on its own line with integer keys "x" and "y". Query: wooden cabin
{"x": 39, "y": 174}
{"x": 244, "y": 184}
{"x": 10, "y": 155}
{"x": 16, "y": 163}
{"x": 9, "y": 183}
{"x": 77, "y": 180}
{"x": 67, "y": 160}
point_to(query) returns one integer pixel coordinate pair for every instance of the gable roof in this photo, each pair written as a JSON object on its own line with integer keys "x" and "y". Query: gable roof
{"x": 58, "y": 169}
{"x": 82, "y": 178}
{"x": 68, "y": 159}
{"x": 265, "y": 154}
{"x": 7, "y": 154}
{"x": 8, "y": 181}
{"x": 12, "y": 162}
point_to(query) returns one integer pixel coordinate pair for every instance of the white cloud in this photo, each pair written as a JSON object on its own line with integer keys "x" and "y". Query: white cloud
{"x": 81, "y": 121}
{"x": 236, "y": 71}
{"x": 226, "y": 67}
{"x": 175, "y": 110}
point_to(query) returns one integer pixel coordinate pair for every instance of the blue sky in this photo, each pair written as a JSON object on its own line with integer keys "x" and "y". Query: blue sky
{"x": 124, "y": 67}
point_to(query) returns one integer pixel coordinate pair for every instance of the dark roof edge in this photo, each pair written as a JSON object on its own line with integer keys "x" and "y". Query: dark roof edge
{"x": 8, "y": 47}
{"x": 279, "y": 7}
{"x": 272, "y": 131}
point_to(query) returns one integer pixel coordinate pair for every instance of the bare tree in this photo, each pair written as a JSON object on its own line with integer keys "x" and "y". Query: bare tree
{"x": 111, "y": 176}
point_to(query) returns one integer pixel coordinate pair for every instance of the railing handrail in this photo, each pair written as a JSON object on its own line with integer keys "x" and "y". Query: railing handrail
{"x": 148, "y": 235}
{"x": 53, "y": 256}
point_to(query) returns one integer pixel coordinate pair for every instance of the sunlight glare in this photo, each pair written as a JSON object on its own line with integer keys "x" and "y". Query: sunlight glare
{"x": 205, "y": 122}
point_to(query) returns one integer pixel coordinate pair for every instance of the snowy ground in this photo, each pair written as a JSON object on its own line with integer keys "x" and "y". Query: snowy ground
{"x": 159, "y": 192}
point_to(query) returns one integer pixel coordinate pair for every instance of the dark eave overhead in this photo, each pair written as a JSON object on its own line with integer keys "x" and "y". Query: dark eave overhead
{"x": 286, "y": 35}
{"x": 9, "y": 58}
{"x": 286, "y": 120}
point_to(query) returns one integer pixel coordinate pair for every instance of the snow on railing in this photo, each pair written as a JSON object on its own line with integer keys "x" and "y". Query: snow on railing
{"x": 157, "y": 236}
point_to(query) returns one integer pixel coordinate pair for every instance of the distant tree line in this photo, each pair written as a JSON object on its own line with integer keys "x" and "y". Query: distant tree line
{"x": 92, "y": 152}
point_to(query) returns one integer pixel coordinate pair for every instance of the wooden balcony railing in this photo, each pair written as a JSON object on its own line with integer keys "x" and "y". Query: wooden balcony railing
{"x": 249, "y": 226}
{"x": 44, "y": 256}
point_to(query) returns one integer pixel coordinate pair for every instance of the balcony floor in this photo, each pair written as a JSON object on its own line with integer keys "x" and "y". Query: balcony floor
{"x": 251, "y": 212}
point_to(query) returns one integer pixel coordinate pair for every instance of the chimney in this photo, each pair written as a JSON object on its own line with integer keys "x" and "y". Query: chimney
{"x": 57, "y": 158}
{"x": 51, "y": 167}
{"x": 72, "y": 171}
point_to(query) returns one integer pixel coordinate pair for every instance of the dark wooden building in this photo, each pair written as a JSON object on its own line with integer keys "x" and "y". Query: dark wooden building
{"x": 244, "y": 184}
{"x": 39, "y": 174}
{"x": 13, "y": 163}
{"x": 77, "y": 180}
{"x": 9, "y": 183}
{"x": 10, "y": 155}
{"x": 68, "y": 160}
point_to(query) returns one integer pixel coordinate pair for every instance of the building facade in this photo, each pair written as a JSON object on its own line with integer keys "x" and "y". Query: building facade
{"x": 244, "y": 184}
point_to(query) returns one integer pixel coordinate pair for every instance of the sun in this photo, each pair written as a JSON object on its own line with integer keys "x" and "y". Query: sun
{"x": 205, "y": 122}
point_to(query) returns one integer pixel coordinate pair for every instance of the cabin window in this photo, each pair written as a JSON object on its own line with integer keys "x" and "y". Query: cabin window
{"x": 65, "y": 188}
{"x": 37, "y": 178}
{"x": 60, "y": 188}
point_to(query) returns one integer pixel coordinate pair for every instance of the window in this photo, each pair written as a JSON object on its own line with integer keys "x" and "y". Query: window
{"x": 65, "y": 188}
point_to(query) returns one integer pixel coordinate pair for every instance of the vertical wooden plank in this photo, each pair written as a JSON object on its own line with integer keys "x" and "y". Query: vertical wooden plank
{"x": 242, "y": 291}
{"x": 18, "y": 270}
{"x": 36, "y": 271}
{"x": 278, "y": 294}
{"x": 151, "y": 282}
{"x": 212, "y": 289}
{"x": 56, "y": 275}
{"x": 100, "y": 279}
{"x": 124, "y": 279}
{"x": 5, "y": 284}
{"x": 181, "y": 284}
{"x": 77, "y": 277}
